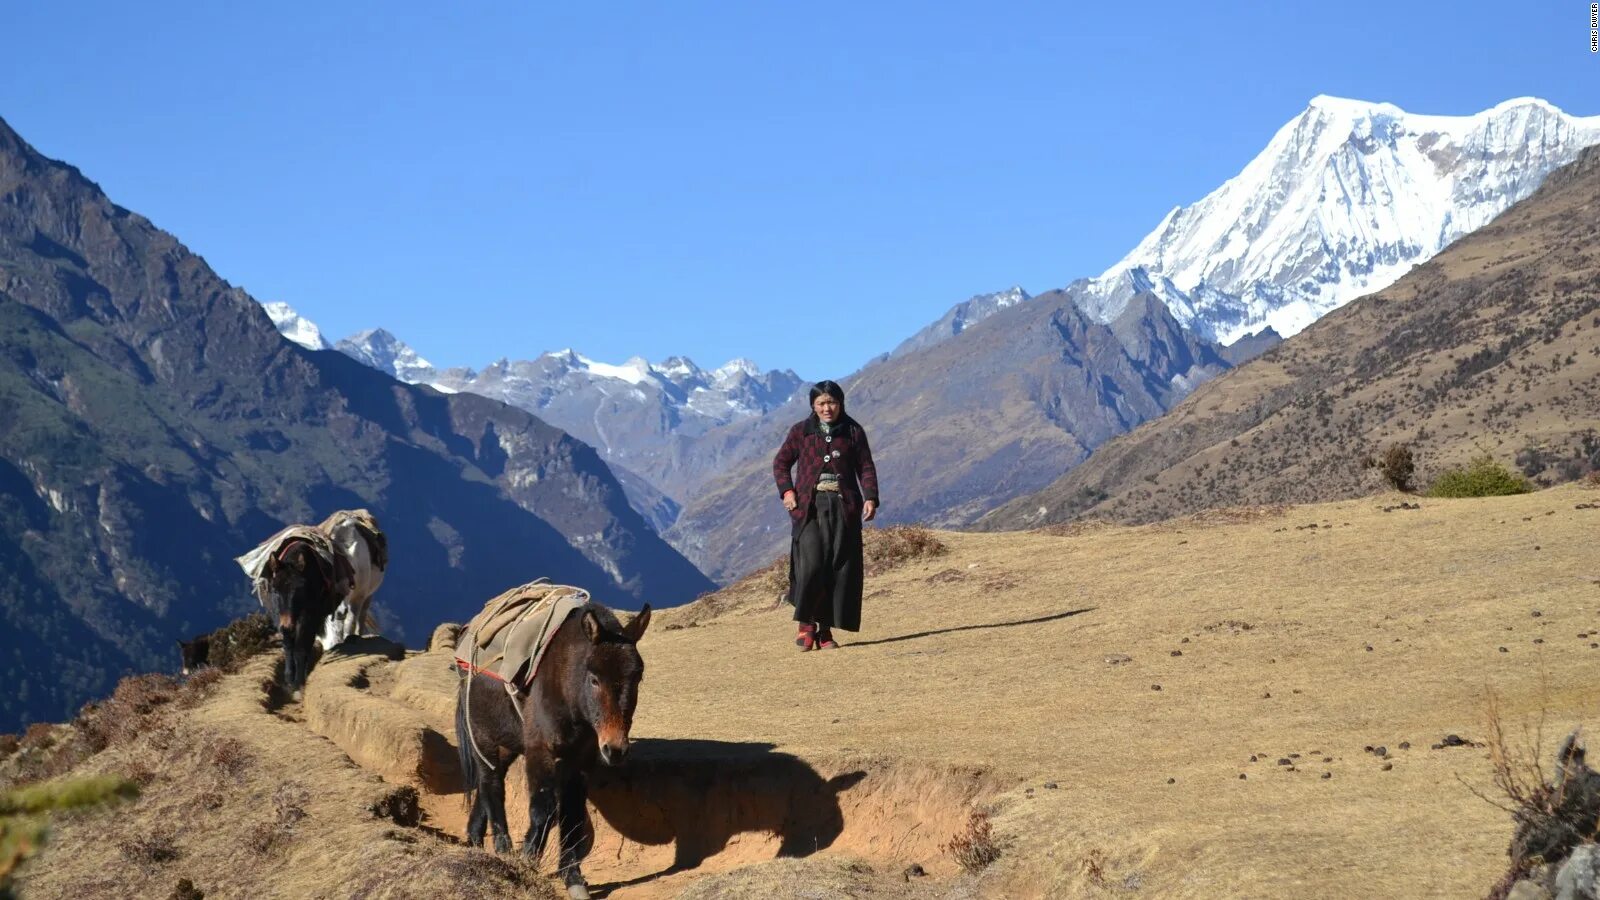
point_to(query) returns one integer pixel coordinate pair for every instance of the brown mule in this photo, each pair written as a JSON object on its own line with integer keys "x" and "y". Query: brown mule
{"x": 578, "y": 709}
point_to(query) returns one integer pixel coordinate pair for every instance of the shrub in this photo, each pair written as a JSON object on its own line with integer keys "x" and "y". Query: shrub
{"x": 236, "y": 642}
{"x": 772, "y": 578}
{"x": 1483, "y": 477}
{"x": 39, "y": 736}
{"x": 289, "y": 801}
{"x": 127, "y": 713}
{"x": 887, "y": 548}
{"x": 228, "y": 755}
{"x": 401, "y": 806}
{"x": 974, "y": 848}
{"x": 199, "y": 686}
{"x": 186, "y": 891}
{"x": 264, "y": 837}
{"x": 1397, "y": 465}
{"x": 1552, "y": 810}
{"x": 155, "y": 848}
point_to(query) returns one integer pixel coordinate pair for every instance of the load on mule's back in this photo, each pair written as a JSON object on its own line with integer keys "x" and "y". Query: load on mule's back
{"x": 355, "y": 533}
{"x": 549, "y": 675}
{"x": 306, "y": 575}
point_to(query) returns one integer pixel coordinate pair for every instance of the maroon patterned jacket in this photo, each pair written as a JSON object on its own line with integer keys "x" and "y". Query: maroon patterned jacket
{"x": 852, "y": 460}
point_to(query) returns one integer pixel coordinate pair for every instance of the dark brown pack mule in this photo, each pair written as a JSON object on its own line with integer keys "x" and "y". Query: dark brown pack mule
{"x": 578, "y": 708}
{"x": 305, "y": 596}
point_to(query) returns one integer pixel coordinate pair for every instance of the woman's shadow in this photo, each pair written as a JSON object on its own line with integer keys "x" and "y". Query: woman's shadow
{"x": 698, "y": 795}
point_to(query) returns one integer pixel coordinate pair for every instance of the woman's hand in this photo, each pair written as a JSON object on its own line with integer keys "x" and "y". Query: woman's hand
{"x": 869, "y": 509}
{"x": 789, "y": 501}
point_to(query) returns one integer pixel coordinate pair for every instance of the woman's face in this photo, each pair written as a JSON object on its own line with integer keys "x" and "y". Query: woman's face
{"x": 826, "y": 408}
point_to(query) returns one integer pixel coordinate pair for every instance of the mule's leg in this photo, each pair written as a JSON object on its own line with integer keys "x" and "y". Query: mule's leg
{"x": 541, "y": 807}
{"x": 330, "y": 633}
{"x": 573, "y": 813}
{"x": 288, "y": 661}
{"x": 478, "y": 821}
{"x": 358, "y": 618}
{"x": 494, "y": 794}
{"x": 305, "y": 634}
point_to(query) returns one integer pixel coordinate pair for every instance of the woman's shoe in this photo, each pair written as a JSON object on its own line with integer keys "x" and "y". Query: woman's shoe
{"x": 825, "y": 639}
{"x": 807, "y": 638}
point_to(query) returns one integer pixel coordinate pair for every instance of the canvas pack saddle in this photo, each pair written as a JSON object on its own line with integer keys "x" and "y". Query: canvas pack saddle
{"x": 259, "y": 563}
{"x": 508, "y": 638}
{"x": 367, "y": 527}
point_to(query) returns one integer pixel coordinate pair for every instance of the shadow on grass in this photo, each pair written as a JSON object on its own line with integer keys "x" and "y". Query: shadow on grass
{"x": 1053, "y": 617}
{"x": 701, "y": 795}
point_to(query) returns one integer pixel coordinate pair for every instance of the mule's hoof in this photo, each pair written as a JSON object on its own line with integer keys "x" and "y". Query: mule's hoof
{"x": 297, "y": 695}
{"x": 578, "y": 891}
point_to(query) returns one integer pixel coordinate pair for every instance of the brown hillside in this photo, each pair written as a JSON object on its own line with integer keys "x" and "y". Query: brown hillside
{"x": 1017, "y": 674}
{"x": 959, "y": 427}
{"x": 1493, "y": 344}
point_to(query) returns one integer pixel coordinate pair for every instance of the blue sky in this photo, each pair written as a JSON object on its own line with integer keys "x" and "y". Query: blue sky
{"x": 803, "y": 184}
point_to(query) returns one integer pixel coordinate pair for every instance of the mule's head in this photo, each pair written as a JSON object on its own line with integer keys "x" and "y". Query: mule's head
{"x": 195, "y": 653}
{"x": 304, "y": 602}
{"x": 289, "y": 577}
{"x": 611, "y": 676}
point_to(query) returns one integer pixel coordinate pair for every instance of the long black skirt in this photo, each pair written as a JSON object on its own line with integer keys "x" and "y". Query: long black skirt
{"x": 825, "y": 566}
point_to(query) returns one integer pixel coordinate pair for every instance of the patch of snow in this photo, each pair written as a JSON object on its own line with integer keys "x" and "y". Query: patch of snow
{"x": 296, "y": 327}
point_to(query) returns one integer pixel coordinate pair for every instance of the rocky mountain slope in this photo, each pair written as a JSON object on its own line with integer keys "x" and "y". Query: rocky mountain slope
{"x": 1493, "y": 345}
{"x": 960, "y": 317}
{"x": 964, "y": 424}
{"x": 1346, "y": 198}
{"x": 154, "y": 424}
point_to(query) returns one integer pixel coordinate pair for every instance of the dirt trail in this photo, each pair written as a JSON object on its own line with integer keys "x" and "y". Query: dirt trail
{"x": 680, "y": 808}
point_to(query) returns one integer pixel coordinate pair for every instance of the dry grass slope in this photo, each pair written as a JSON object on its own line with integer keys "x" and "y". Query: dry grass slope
{"x": 1252, "y": 702}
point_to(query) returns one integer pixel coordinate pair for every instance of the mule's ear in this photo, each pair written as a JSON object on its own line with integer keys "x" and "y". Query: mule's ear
{"x": 592, "y": 626}
{"x": 637, "y": 625}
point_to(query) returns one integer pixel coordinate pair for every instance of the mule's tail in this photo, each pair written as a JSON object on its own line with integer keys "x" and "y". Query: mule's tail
{"x": 471, "y": 769}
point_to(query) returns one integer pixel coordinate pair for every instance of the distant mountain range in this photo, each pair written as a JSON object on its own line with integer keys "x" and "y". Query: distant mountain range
{"x": 154, "y": 424}
{"x": 1006, "y": 391}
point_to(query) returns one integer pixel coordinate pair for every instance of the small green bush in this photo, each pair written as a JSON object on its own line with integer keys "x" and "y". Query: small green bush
{"x": 1483, "y": 477}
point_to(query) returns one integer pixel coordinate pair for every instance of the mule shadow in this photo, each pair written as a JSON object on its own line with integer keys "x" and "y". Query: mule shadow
{"x": 375, "y": 645}
{"x": 1053, "y": 617}
{"x": 699, "y": 794}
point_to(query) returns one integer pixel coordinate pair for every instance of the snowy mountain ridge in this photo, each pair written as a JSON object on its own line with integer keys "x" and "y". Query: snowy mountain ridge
{"x": 1346, "y": 197}
{"x": 566, "y": 387}
{"x": 296, "y": 327}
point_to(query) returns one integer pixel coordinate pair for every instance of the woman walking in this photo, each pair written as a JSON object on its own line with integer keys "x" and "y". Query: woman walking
{"x": 834, "y": 491}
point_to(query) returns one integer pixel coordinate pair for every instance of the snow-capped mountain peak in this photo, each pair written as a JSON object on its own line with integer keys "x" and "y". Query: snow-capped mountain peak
{"x": 962, "y": 316}
{"x": 383, "y": 351}
{"x": 734, "y": 368}
{"x": 296, "y": 327}
{"x": 1347, "y": 196}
